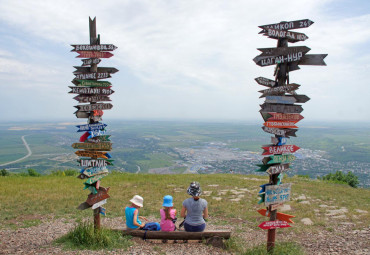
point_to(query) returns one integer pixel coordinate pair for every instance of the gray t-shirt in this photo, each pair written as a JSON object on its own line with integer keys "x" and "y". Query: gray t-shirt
{"x": 195, "y": 210}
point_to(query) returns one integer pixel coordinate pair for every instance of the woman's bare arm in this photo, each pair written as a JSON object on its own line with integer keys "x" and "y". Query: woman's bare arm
{"x": 205, "y": 213}
{"x": 183, "y": 212}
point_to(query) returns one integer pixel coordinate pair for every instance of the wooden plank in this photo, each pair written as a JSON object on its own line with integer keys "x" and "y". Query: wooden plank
{"x": 274, "y": 224}
{"x": 101, "y": 195}
{"x": 265, "y": 82}
{"x": 283, "y": 149}
{"x": 277, "y": 116}
{"x": 287, "y": 158}
{"x": 283, "y": 51}
{"x": 91, "y": 91}
{"x": 266, "y": 107}
{"x": 286, "y": 132}
{"x": 313, "y": 59}
{"x": 276, "y": 194}
{"x": 291, "y": 36}
{"x": 83, "y": 206}
{"x": 90, "y": 83}
{"x": 93, "y": 107}
{"x": 92, "y": 99}
{"x": 90, "y": 61}
{"x": 279, "y": 216}
{"x": 96, "y": 47}
{"x": 177, "y": 235}
{"x": 93, "y": 76}
{"x": 82, "y": 69}
{"x": 93, "y": 54}
{"x": 105, "y": 146}
{"x": 276, "y": 169}
{"x": 280, "y": 90}
{"x": 280, "y": 59}
{"x": 94, "y": 162}
{"x": 280, "y": 124}
{"x": 286, "y": 25}
{"x": 280, "y": 100}
{"x": 91, "y": 127}
{"x": 95, "y": 154}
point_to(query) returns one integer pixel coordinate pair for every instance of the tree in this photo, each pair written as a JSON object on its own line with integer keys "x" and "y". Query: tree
{"x": 4, "y": 172}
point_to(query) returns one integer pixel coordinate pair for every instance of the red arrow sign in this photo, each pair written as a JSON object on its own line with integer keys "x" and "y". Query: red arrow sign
{"x": 279, "y": 216}
{"x": 280, "y": 124}
{"x": 283, "y": 149}
{"x": 274, "y": 224}
{"x": 94, "y": 54}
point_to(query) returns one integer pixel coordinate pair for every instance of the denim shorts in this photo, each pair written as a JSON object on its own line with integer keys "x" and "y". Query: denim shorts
{"x": 197, "y": 228}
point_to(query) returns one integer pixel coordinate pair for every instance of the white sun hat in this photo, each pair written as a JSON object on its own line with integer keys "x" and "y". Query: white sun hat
{"x": 137, "y": 200}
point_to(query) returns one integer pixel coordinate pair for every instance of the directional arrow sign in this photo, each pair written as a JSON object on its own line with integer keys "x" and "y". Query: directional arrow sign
{"x": 82, "y": 69}
{"x": 283, "y": 149}
{"x": 277, "y": 116}
{"x": 98, "y": 139}
{"x": 97, "y": 205}
{"x": 281, "y": 90}
{"x": 94, "y": 54}
{"x": 95, "y": 178}
{"x": 106, "y": 146}
{"x": 300, "y": 98}
{"x": 283, "y": 51}
{"x": 90, "y": 61}
{"x": 91, "y": 127}
{"x": 280, "y": 100}
{"x": 89, "y": 99}
{"x": 82, "y": 114}
{"x": 95, "y": 171}
{"x": 279, "y": 216}
{"x": 93, "y": 107}
{"x": 276, "y": 194}
{"x": 265, "y": 82}
{"x": 286, "y": 132}
{"x": 83, "y": 206}
{"x": 89, "y": 83}
{"x": 287, "y": 25}
{"x": 91, "y": 91}
{"x": 280, "y": 124}
{"x": 287, "y": 158}
{"x": 276, "y": 169}
{"x": 262, "y": 168}
{"x": 273, "y": 60}
{"x": 101, "y": 195}
{"x": 313, "y": 59}
{"x": 94, "y": 162}
{"x": 273, "y": 224}
{"x": 95, "y": 154}
{"x": 96, "y": 133}
{"x": 291, "y": 36}
{"x": 263, "y": 187}
{"x": 93, "y": 76}
{"x": 281, "y": 108}
{"x": 97, "y": 47}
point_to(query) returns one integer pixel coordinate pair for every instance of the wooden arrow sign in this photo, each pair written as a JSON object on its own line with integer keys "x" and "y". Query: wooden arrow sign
{"x": 94, "y": 162}
{"x": 89, "y": 83}
{"x": 91, "y": 91}
{"x": 95, "y": 171}
{"x": 279, "y": 216}
{"x": 93, "y": 154}
{"x": 83, "y": 206}
{"x": 280, "y": 100}
{"x": 313, "y": 59}
{"x": 101, "y": 195}
{"x": 277, "y": 116}
{"x": 276, "y": 159}
{"x": 283, "y": 51}
{"x": 277, "y": 194}
{"x": 281, "y": 90}
{"x": 274, "y": 224}
{"x": 93, "y": 76}
{"x": 291, "y": 36}
{"x": 265, "y": 82}
{"x": 273, "y": 60}
{"x": 84, "y": 70}
{"x": 287, "y": 25}
{"x": 82, "y": 115}
{"x": 106, "y": 146}
{"x": 283, "y": 149}
{"x": 94, "y": 54}
{"x": 90, "y": 61}
{"x": 301, "y": 99}
{"x": 276, "y": 169}
{"x": 280, "y": 124}
{"x": 286, "y": 132}
{"x": 265, "y": 107}
{"x": 96, "y": 47}
{"x": 95, "y": 178}
{"x": 91, "y": 127}
{"x": 93, "y": 107}
{"x": 90, "y": 99}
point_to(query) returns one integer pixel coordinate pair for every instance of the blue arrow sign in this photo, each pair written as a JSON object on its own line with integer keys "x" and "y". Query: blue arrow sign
{"x": 96, "y": 133}
{"x": 91, "y": 127}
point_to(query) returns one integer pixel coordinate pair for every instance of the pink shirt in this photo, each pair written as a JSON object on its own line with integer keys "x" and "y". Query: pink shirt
{"x": 167, "y": 225}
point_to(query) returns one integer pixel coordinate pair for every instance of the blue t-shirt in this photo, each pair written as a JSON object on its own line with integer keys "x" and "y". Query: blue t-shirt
{"x": 194, "y": 210}
{"x": 129, "y": 212}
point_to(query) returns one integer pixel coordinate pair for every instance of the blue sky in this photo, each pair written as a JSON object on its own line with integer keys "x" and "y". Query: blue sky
{"x": 181, "y": 59}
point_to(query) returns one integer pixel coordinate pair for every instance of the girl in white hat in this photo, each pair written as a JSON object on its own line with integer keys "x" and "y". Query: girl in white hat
{"x": 132, "y": 213}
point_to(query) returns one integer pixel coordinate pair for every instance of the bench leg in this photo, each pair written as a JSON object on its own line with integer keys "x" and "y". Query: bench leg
{"x": 216, "y": 241}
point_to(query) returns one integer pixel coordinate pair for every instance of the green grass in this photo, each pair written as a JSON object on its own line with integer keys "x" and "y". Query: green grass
{"x": 283, "y": 248}
{"x": 84, "y": 237}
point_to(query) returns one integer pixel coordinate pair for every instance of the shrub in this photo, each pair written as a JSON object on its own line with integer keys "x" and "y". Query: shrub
{"x": 349, "y": 178}
{"x": 4, "y": 172}
{"x": 68, "y": 172}
{"x": 33, "y": 172}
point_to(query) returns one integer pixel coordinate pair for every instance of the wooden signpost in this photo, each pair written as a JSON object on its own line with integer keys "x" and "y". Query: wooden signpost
{"x": 93, "y": 143}
{"x": 281, "y": 114}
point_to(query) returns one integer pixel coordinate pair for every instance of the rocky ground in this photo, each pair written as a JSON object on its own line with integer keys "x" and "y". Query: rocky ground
{"x": 341, "y": 239}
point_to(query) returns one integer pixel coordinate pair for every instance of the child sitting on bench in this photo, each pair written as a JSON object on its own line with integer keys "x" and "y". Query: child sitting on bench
{"x": 168, "y": 215}
{"x": 132, "y": 213}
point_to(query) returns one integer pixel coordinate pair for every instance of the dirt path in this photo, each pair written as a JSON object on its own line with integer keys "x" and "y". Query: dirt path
{"x": 38, "y": 240}
{"x": 28, "y": 155}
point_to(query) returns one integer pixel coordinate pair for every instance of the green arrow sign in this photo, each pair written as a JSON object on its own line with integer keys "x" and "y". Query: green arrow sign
{"x": 286, "y": 158}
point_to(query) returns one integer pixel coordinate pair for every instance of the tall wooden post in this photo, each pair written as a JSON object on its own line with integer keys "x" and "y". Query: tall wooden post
{"x": 280, "y": 114}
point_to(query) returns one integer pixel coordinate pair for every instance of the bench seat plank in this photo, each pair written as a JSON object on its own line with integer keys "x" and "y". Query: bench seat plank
{"x": 177, "y": 235}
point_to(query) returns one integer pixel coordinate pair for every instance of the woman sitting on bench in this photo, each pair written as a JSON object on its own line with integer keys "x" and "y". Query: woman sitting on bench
{"x": 194, "y": 209}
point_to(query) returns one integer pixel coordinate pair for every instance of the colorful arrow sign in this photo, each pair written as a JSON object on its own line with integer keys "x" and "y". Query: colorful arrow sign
{"x": 280, "y": 100}
{"x": 94, "y": 154}
{"x": 93, "y": 107}
{"x": 91, "y": 127}
{"x": 273, "y": 224}
{"x": 94, "y": 162}
{"x": 279, "y": 216}
{"x": 95, "y": 178}
{"x": 286, "y": 132}
{"x": 90, "y": 83}
{"x": 105, "y": 146}
{"x": 275, "y": 159}
{"x": 98, "y": 139}
{"x": 276, "y": 169}
{"x": 81, "y": 69}
{"x": 276, "y": 194}
{"x": 291, "y": 36}
{"x": 277, "y": 116}
{"x": 94, "y": 171}
{"x": 93, "y": 76}
{"x": 280, "y": 124}
{"x": 91, "y": 91}
{"x": 93, "y": 54}
{"x": 283, "y": 149}
{"x": 99, "y": 196}
{"x": 95, "y": 47}
{"x": 266, "y": 107}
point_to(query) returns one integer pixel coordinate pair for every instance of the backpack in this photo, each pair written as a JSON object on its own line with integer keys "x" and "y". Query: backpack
{"x": 152, "y": 226}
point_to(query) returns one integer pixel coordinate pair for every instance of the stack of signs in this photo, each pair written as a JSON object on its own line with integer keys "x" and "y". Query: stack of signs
{"x": 92, "y": 95}
{"x": 281, "y": 112}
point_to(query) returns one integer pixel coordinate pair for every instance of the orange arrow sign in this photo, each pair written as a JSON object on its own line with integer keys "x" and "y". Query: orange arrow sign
{"x": 279, "y": 216}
